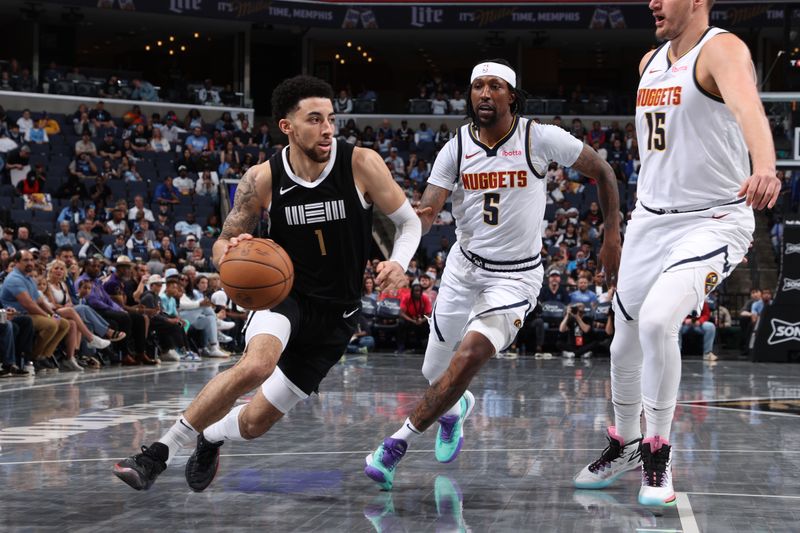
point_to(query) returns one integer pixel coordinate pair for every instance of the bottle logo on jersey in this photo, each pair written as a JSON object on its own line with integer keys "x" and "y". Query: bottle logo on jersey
{"x": 505, "y": 179}
{"x": 783, "y": 331}
{"x": 298, "y": 215}
{"x": 659, "y": 97}
{"x": 792, "y": 248}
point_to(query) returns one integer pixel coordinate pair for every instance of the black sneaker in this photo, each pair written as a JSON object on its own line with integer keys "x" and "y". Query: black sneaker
{"x": 202, "y": 464}
{"x": 141, "y": 470}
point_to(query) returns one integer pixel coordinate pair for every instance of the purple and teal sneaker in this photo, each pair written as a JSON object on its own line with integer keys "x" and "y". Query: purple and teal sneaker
{"x": 450, "y": 437}
{"x": 381, "y": 464}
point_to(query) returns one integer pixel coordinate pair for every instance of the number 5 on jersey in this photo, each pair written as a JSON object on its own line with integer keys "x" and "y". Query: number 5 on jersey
{"x": 657, "y": 137}
{"x": 491, "y": 208}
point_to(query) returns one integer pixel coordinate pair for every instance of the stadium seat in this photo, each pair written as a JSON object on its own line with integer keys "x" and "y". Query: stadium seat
{"x": 419, "y": 107}
{"x": 387, "y": 320}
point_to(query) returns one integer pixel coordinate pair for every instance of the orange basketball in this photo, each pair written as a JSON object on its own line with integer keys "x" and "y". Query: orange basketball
{"x": 257, "y": 274}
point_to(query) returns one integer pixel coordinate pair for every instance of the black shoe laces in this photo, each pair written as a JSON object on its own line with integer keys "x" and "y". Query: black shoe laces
{"x": 206, "y": 450}
{"x": 611, "y": 453}
{"x": 655, "y": 466}
{"x": 149, "y": 458}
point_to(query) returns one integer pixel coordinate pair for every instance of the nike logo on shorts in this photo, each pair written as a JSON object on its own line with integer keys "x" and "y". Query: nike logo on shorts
{"x": 351, "y": 313}
{"x": 468, "y": 156}
{"x": 284, "y": 191}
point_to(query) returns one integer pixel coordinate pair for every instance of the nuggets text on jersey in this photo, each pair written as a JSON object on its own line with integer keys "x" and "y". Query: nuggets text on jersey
{"x": 504, "y": 179}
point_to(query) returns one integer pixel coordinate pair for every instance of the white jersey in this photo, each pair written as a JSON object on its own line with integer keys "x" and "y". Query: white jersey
{"x": 499, "y": 191}
{"x": 692, "y": 150}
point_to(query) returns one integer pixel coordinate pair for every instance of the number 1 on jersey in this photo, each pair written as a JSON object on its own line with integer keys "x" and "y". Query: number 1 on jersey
{"x": 322, "y": 250}
{"x": 657, "y": 137}
{"x": 491, "y": 211}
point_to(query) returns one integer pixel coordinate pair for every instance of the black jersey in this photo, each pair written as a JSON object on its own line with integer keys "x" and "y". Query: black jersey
{"x": 323, "y": 226}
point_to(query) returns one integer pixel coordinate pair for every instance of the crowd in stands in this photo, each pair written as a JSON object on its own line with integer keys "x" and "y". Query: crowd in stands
{"x": 124, "y": 202}
{"x": 107, "y": 227}
{"x": 55, "y": 79}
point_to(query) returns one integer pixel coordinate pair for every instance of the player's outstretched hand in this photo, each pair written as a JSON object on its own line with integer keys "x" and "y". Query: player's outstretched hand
{"x": 761, "y": 189}
{"x": 390, "y": 276}
{"x": 234, "y": 241}
{"x": 609, "y": 259}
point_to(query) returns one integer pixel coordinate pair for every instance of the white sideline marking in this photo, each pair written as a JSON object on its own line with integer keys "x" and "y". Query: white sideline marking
{"x": 686, "y": 514}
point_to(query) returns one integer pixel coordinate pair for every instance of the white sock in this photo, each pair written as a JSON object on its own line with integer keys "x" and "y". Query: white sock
{"x": 179, "y": 435}
{"x": 227, "y": 428}
{"x": 627, "y": 419}
{"x": 407, "y": 432}
{"x": 659, "y": 421}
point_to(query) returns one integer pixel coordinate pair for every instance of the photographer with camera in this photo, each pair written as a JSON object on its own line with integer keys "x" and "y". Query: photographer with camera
{"x": 576, "y": 334}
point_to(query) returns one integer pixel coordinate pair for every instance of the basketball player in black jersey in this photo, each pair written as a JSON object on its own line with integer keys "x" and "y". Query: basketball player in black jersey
{"x": 319, "y": 194}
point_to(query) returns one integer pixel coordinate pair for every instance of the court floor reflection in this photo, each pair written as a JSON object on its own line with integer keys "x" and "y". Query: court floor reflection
{"x": 535, "y": 424}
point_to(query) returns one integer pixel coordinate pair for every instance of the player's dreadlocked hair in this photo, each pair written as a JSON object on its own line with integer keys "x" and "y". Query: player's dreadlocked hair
{"x": 287, "y": 95}
{"x": 516, "y": 107}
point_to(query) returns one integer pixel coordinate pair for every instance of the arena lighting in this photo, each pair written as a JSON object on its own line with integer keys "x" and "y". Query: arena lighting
{"x": 369, "y": 60}
{"x": 159, "y": 43}
{"x": 196, "y": 35}
{"x": 183, "y": 48}
{"x": 171, "y": 38}
{"x": 147, "y": 47}
{"x": 364, "y": 54}
{"x": 341, "y": 61}
{"x": 349, "y": 44}
{"x": 337, "y": 56}
{"x": 172, "y": 52}
{"x": 358, "y": 48}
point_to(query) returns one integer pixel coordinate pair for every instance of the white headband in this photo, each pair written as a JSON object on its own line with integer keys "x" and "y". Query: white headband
{"x": 494, "y": 69}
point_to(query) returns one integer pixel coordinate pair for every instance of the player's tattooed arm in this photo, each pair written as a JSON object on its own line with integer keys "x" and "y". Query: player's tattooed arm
{"x": 590, "y": 164}
{"x": 246, "y": 212}
{"x": 433, "y": 200}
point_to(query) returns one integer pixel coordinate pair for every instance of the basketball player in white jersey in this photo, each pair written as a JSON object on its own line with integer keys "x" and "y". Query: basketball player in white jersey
{"x": 697, "y": 114}
{"x": 494, "y": 168}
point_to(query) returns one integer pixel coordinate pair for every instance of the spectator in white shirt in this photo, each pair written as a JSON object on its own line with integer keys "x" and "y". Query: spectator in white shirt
{"x": 184, "y": 183}
{"x": 458, "y": 105}
{"x": 439, "y": 105}
{"x": 207, "y": 185}
{"x": 185, "y": 227}
{"x": 138, "y": 205}
{"x": 396, "y": 163}
{"x": 25, "y": 122}
{"x": 158, "y": 143}
{"x": 117, "y": 224}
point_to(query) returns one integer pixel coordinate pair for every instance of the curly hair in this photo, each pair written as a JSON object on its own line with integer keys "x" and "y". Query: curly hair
{"x": 287, "y": 95}
{"x": 519, "y": 101}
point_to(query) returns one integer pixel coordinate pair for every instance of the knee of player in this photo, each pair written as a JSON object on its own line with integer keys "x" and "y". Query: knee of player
{"x": 471, "y": 356}
{"x": 255, "y": 371}
{"x": 653, "y": 327}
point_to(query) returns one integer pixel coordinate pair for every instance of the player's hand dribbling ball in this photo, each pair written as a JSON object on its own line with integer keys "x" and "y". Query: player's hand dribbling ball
{"x": 257, "y": 274}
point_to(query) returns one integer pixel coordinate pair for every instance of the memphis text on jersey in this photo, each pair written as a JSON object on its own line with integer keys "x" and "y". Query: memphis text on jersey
{"x": 504, "y": 179}
{"x": 659, "y": 97}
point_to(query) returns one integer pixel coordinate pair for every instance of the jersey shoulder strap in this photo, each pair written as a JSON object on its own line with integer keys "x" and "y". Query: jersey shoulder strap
{"x": 528, "y": 127}
{"x": 458, "y": 156}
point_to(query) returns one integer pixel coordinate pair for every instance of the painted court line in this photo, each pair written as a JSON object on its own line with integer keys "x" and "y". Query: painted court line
{"x": 686, "y": 514}
{"x": 741, "y": 495}
{"x": 474, "y": 450}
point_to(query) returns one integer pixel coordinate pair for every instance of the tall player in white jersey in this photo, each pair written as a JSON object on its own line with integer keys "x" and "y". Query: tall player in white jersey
{"x": 494, "y": 168}
{"x": 697, "y": 114}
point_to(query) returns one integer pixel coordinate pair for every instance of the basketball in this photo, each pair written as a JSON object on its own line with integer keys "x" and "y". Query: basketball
{"x": 257, "y": 274}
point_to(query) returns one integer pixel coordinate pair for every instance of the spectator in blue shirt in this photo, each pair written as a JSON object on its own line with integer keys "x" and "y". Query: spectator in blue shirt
{"x": 65, "y": 237}
{"x": 197, "y": 142}
{"x": 19, "y": 291}
{"x": 423, "y": 134}
{"x": 166, "y": 192}
{"x": 144, "y": 90}
{"x": 583, "y": 295}
{"x": 73, "y": 213}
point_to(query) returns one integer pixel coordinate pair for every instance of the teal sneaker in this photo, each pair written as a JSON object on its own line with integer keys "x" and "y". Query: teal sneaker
{"x": 450, "y": 436}
{"x": 381, "y": 464}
